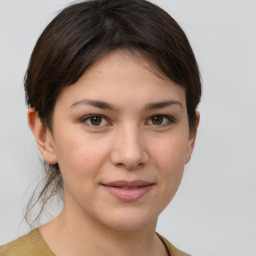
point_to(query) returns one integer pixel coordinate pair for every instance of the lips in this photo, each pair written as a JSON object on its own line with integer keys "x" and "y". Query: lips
{"x": 128, "y": 190}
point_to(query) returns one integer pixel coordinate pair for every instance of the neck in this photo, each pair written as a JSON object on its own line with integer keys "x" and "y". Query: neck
{"x": 83, "y": 236}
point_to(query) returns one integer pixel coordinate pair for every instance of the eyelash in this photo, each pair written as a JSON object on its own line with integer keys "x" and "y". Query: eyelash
{"x": 168, "y": 120}
{"x": 88, "y": 118}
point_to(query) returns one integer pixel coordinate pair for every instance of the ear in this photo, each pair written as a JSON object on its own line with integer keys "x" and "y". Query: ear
{"x": 43, "y": 136}
{"x": 192, "y": 138}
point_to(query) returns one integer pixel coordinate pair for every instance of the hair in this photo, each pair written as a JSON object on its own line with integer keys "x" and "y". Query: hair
{"x": 82, "y": 34}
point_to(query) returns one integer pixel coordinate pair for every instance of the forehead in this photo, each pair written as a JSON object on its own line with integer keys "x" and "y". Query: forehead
{"x": 123, "y": 77}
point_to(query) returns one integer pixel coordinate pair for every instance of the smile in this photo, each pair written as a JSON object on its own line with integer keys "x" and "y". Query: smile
{"x": 128, "y": 191}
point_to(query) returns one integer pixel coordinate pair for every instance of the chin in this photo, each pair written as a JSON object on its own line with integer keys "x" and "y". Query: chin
{"x": 130, "y": 220}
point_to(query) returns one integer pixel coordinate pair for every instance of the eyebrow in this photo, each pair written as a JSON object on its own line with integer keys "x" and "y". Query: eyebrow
{"x": 105, "y": 105}
{"x": 163, "y": 104}
{"x": 95, "y": 103}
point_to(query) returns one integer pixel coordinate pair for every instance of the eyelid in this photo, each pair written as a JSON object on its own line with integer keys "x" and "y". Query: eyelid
{"x": 87, "y": 117}
{"x": 171, "y": 120}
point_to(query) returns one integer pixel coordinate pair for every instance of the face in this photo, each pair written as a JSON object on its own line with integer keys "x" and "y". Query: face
{"x": 121, "y": 138}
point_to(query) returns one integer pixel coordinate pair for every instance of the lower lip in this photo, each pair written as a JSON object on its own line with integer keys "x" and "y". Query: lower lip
{"x": 128, "y": 195}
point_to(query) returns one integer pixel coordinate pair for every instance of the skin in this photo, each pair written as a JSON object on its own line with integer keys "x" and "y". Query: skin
{"x": 134, "y": 139}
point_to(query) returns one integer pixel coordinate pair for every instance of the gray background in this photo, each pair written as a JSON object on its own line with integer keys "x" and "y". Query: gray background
{"x": 214, "y": 211}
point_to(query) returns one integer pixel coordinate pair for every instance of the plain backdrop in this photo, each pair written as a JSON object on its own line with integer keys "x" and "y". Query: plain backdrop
{"x": 214, "y": 211}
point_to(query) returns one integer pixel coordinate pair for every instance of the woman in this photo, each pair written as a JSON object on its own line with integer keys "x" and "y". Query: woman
{"x": 112, "y": 88}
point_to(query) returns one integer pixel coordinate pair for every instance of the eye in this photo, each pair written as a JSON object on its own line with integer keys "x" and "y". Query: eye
{"x": 160, "y": 120}
{"x": 95, "y": 120}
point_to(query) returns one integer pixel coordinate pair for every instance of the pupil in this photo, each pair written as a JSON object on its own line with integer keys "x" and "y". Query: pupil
{"x": 96, "y": 120}
{"x": 157, "y": 120}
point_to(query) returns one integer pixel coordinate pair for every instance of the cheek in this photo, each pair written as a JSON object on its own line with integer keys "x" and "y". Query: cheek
{"x": 80, "y": 155}
{"x": 171, "y": 152}
{"x": 170, "y": 161}
{"x": 80, "y": 164}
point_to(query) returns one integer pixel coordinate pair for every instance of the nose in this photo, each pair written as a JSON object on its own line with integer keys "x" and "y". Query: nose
{"x": 129, "y": 149}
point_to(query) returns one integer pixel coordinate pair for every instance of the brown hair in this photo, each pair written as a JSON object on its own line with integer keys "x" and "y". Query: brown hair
{"x": 82, "y": 34}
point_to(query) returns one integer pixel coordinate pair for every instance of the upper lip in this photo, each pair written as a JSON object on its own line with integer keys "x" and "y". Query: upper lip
{"x": 125, "y": 183}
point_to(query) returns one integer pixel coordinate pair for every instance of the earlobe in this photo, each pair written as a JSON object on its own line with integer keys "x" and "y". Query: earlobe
{"x": 192, "y": 138}
{"x": 42, "y": 136}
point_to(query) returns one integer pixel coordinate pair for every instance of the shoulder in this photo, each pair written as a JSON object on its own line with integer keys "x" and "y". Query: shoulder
{"x": 29, "y": 244}
{"x": 173, "y": 251}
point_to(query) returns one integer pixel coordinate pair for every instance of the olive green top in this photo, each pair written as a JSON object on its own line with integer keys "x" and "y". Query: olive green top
{"x": 32, "y": 244}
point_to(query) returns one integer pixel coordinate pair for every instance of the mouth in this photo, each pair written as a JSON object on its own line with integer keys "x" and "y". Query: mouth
{"x": 128, "y": 190}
